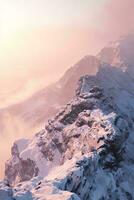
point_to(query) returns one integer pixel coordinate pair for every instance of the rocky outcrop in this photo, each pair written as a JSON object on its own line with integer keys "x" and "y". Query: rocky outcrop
{"x": 18, "y": 169}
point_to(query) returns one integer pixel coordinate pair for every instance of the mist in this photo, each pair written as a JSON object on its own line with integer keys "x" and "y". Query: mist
{"x": 117, "y": 19}
{"x": 12, "y": 129}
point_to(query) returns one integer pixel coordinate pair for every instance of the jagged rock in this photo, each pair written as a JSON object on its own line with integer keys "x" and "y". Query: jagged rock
{"x": 95, "y": 89}
{"x": 18, "y": 169}
{"x": 84, "y": 119}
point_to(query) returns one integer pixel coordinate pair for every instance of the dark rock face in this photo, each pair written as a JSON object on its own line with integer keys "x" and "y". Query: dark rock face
{"x": 17, "y": 169}
{"x": 75, "y": 109}
{"x": 27, "y": 170}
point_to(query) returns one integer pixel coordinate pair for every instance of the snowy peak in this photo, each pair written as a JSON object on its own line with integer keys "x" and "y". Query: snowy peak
{"x": 87, "y": 65}
{"x": 119, "y": 53}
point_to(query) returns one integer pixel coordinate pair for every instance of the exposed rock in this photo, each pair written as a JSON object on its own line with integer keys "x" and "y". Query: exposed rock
{"x": 17, "y": 169}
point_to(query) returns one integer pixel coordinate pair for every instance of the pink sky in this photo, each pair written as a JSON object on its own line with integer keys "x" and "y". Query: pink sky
{"x": 40, "y": 39}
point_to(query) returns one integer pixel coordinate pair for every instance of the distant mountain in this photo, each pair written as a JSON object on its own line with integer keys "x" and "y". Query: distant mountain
{"x": 45, "y": 103}
{"x": 119, "y": 53}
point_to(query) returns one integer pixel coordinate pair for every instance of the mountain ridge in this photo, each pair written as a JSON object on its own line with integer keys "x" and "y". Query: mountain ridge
{"x": 95, "y": 133}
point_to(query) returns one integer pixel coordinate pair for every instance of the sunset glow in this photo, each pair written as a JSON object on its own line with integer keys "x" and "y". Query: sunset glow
{"x": 36, "y": 36}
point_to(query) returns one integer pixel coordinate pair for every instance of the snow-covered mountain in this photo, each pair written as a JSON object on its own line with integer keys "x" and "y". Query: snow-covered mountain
{"x": 120, "y": 52}
{"x": 86, "y": 151}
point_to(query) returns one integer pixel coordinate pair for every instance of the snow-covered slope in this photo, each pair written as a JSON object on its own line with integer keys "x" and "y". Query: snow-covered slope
{"x": 117, "y": 85}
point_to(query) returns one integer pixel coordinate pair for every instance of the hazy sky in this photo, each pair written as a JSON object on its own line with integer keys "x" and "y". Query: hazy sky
{"x": 40, "y": 39}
